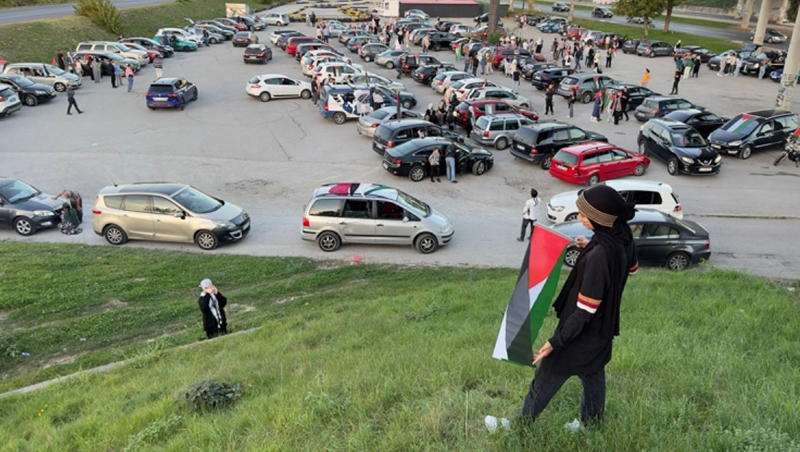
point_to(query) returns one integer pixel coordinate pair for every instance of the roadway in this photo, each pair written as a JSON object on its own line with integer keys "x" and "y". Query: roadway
{"x": 31, "y": 13}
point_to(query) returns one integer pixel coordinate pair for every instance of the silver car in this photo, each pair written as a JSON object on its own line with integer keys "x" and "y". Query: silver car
{"x": 167, "y": 212}
{"x": 387, "y": 58}
{"x": 372, "y": 214}
{"x": 375, "y": 79}
{"x": 498, "y": 130}
{"x": 44, "y": 73}
{"x": 443, "y": 81}
{"x": 367, "y": 125}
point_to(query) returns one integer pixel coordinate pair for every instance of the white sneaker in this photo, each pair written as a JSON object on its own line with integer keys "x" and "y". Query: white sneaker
{"x": 491, "y": 424}
{"x": 574, "y": 426}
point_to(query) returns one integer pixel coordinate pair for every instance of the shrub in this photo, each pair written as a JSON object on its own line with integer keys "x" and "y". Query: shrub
{"x": 159, "y": 430}
{"x": 494, "y": 38}
{"x": 211, "y": 394}
{"x": 102, "y": 13}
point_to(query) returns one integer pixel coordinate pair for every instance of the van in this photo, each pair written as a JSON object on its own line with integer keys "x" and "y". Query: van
{"x": 46, "y": 74}
{"x": 114, "y": 47}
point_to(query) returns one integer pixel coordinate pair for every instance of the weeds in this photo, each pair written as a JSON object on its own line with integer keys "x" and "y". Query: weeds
{"x": 101, "y": 12}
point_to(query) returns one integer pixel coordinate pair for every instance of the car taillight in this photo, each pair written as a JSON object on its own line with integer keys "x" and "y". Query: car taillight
{"x": 375, "y": 126}
{"x": 421, "y": 75}
{"x": 656, "y": 111}
{"x": 94, "y": 207}
{"x": 406, "y": 66}
{"x": 172, "y": 95}
{"x": 708, "y": 244}
{"x": 397, "y": 162}
{"x": 96, "y": 212}
{"x": 678, "y": 208}
{"x": 326, "y": 106}
{"x": 255, "y": 86}
{"x": 390, "y": 144}
{"x": 2, "y": 99}
{"x": 486, "y": 134}
{"x": 261, "y": 55}
{"x": 533, "y": 150}
{"x": 306, "y": 223}
{"x": 441, "y": 82}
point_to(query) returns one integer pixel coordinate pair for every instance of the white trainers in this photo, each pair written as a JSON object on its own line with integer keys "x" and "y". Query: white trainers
{"x": 574, "y": 426}
{"x": 492, "y": 423}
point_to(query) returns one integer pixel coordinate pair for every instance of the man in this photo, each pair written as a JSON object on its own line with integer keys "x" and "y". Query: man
{"x": 548, "y": 99}
{"x": 578, "y": 58}
{"x": 74, "y": 199}
{"x": 60, "y": 61}
{"x": 529, "y": 215}
{"x": 71, "y": 100}
{"x": 117, "y": 76}
{"x": 158, "y": 64}
{"x": 450, "y": 160}
{"x": 474, "y": 62}
{"x": 515, "y": 80}
{"x": 625, "y": 99}
{"x": 676, "y": 81}
{"x": 539, "y": 43}
{"x": 399, "y": 67}
{"x": 573, "y": 96}
{"x": 696, "y": 68}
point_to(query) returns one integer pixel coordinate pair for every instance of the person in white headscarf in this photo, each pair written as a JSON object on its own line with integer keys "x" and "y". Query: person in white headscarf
{"x": 212, "y": 305}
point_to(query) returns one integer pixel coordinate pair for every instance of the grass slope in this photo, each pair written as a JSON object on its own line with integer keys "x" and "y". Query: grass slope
{"x": 390, "y": 359}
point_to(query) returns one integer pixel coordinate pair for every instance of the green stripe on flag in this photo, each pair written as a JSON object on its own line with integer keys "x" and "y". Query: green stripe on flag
{"x": 545, "y": 298}
{"x": 742, "y": 125}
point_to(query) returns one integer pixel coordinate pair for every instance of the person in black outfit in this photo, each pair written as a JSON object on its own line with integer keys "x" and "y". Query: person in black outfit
{"x": 468, "y": 126}
{"x": 677, "y": 80}
{"x": 625, "y": 98}
{"x": 71, "y": 100}
{"x": 548, "y": 100}
{"x": 588, "y": 307}
{"x": 212, "y": 305}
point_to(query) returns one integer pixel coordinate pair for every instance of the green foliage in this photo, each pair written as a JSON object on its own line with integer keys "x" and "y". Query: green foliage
{"x": 101, "y": 12}
{"x": 724, "y": 4}
{"x": 158, "y": 431}
{"x": 211, "y": 395}
{"x": 639, "y": 8}
{"x": 494, "y": 37}
{"x": 759, "y": 440}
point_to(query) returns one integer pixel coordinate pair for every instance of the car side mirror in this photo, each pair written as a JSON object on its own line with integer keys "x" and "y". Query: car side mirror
{"x": 179, "y": 214}
{"x": 406, "y": 220}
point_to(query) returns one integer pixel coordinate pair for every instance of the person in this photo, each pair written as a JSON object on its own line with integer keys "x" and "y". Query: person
{"x": 377, "y": 99}
{"x": 117, "y": 75}
{"x": 726, "y": 64}
{"x": 434, "y": 160}
{"x": 625, "y": 99}
{"x": 578, "y": 58}
{"x": 587, "y": 308}
{"x": 75, "y": 200}
{"x": 426, "y": 43}
{"x": 598, "y": 106}
{"x": 314, "y": 90}
{"x": 450, "y": 160}
{"x": 676, "y": 80}
{"x": 645, "y": 77}
{"x": 573, "y": 96}
{"x": 490, "y": 62}
{"x": 205, "y": 37}
{"x": 69, "y": 220}
{"x": 762, "y": 71}
{"x": 539, "y": 43}
{"x": 70, "y": 62}
{"x": 483, "y": 63}
{"x": 609, "y": 56}
{"x": 399, "y": 67}
{"x": 158, "y": 64}
{"x": 739, "y": 62}
{"x": 474, "y": 63}
{"x": 129, "y": 75}
{"x": 430, "y": 114}
{"x": 611, "y": 105}
{"x": 597, "y": 63}
{"x": 458, "y": 53}
{"x": 696, "y": 67}
{"x": 468, "y": 126}
{"x": 212, "y": 305}
{"x": 688, "y": 64}
{"x": 515, "y": 80}
{"x": 617, "y": 108}
{"x": 60, "y": 60}
{"x": 677, "y": 46}
{"x": 529, "y": 215}
{"x": 548, "y": 99}
{"x": 71, "y": 100}
{"x": 568, "y": 59}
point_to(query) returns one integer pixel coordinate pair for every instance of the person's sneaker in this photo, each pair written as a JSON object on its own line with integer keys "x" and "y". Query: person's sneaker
{"x": 492, "y": 423}
{"x": 520, "y": 239}
{"x": 574, "y": 426}
{"x": 455, "y": 181}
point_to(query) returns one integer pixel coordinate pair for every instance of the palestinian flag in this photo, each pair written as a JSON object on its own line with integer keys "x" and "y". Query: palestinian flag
{"x": 532, "y": 297}
{"x": 742, "y": 124}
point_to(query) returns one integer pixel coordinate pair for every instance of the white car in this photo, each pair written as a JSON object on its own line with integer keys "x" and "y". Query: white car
{"x": 310, "y": 66}
{"x": 114, "y": 47}
{"x": 651, "y": 195}
{"x": 9, "y": 101}
{"x": 338, "y": 70}
{"x": 181, "y": 34}
{"x": 443, "y": 81}
{"x": 502, "y": 93}
{"x": 464, "y": 86}
{"x": 418, "y": 13}
{"x": 274, "y": 19}
{"x": 324, "y": 52}
{"x": 277, "y": 86}
{"x": 275, "y": 35}
{"x": 461, "y": 30}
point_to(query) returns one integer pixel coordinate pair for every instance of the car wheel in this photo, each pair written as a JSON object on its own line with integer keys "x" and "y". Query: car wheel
{"x": 213, "y": 41}
{"x": 407, "y": 104}
{"x": 152, "y": 108}
{"x": 547, "y": 161}
{"x": 594, "y": 179}
{"x": 305, "y": 94}
{"x": 390, "y": 65}
{"x": 183, "y": 104}
{"x": 417, "y": 173}
{"x": 501, "y": 144}
{"x": 639, "y": 170}
{"x": 479, "y": 168}
{"x": 745, "y": 153}
{"x": 31, "y": 100}
{"x": 678, "y": 261}
{"x": 115, "y": 235}
{"x": 24, "y": 226}
{"x": 60, "y": 87}
{"x": 571, "y": 256}
{"x": 652, "y": 54}
{"x": 571, "y": 217}
{"x": 265, "y": 97}
{"x": 367, "y": 59}
{"x": 195, "y": 94}
{"x": 586, "y": 98}
{"x": 642, "y": 147}
{"x": 329, "y": 241}
{"x": 206, "y": 240}
{"x": 436, "y": 47}
{"x": 339, "y": 118}
{"x": 427, "y": 243}
{"x": 672, "y": 166}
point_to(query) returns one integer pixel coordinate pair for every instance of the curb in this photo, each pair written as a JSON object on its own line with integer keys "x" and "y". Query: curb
{"x": 745, "y": 216}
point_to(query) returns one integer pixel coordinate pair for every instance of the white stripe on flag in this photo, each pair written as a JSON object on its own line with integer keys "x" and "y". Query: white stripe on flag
{"x": 500, "y": 346}
{"x": 533, "y": 293}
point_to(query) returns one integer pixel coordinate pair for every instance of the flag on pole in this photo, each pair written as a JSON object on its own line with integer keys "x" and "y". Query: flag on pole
{"x": 536, "y": 287}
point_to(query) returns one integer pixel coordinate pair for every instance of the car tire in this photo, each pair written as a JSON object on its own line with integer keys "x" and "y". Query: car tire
{"x": 339, "y": 118}
{"x": 24, "y": 226}
{"x": 639, "y": 170}
{"x": 31, "y": 100}
{"x": 672, "y": 166}
{"x": 115, "y": 235}
{"x": 196, "y": 92}
{"x": 265, "y": 97}
{"x": 594, "y": 179}
{"x": 586, "y": 98}
{"x": 213, "y": 41}
{"x": 501, "y": 144}
{"x": 678, "y": 261}
{"x": 547, "y": 161}
{"x": 183, "y": 104}
{"x": 305, "y": 94}
{"x": 652, "y": 54}
{"x": 479, "y": 168}
{"x": 571, "y": 256}
{"x": 417, "y": 173}
{"x": 426, "y": 243}
{"x": 390, "y": 65}
{"x": 368, "y": 59}
{"x": 571, "y": 217}
{"x": 152, "y": 108}
{"x": 329, "y": 241}
{"x": 206, "y": 240}
{"x": 642, "y": 147}
{"x": 746, "y": 152}
{"x": 60, "y": 87}
{"x": 436, "y": 47}
{"x": 407, "y": 104}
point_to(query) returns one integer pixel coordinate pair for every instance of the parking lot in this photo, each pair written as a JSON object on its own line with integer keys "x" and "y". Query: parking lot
{"x": 268, "y": 157}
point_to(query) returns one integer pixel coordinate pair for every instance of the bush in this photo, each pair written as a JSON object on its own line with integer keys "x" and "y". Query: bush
{"x": 494, "y": 38}
{"x": 211, "y": 394}
{"x": 102, "y": 13}
{"x": 159, "y": 430}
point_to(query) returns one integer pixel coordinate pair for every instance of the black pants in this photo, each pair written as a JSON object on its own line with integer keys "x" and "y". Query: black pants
{"x": 72, "y": 103}
{"x": 113, "y": 80}
{"x": 545, "y": 385}
{"x": 617, "y": 116}
{"x": 214, "y": 333}
{"x": 675, "y": 87}
{"x": 548, "y": 107}
{"x": 525, "y": 223}
{"x": 434, "y": 171}
{"x": 608, "y": 62}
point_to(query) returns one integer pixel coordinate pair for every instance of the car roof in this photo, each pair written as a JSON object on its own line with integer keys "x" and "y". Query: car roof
{"x": 160, "y": 188}
{"x": 582, "y": 148}
{"x": 356, "y": 189}
{"x": 274, "y": 75}
{"x": 165, "y": 81}
{"x": 683, "y": 114}
{"x": 665, "y": 98}
{"x": 629, "y": 184}
{"x": 766, "y": 114}
{"x": 504, "y": 116}
{"x": 670, "y": 124}
{"x": 547, "y": 125}
{"x": 255, "y": 46}
{"x": 405, "y": 122}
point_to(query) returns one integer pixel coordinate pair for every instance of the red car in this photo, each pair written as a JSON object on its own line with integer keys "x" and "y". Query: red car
{"x": 501, "y": 54}
{"x": 575, "y": 33}
{"x": 592, "y": 162}
{"x": 292, "y": 43}
{"x": 232, "y": 24}
{"x": 691, "y": 51}
{"x": 477, "y": 108}
{"x": 151, "y": 54}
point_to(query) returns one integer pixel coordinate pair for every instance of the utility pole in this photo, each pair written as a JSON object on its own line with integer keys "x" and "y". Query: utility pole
{"x": 789, "y": 78}
{"x": 493, "y": 6}
{"x": 763, "y": 19}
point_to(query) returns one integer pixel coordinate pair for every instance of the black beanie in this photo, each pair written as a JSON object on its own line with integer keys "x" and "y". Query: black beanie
{"x": 604, "y": 205}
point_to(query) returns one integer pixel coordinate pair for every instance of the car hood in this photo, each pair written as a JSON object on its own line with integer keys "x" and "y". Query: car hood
{"x": 43, "y": 201}
{"x": 725, "y": 136}
{"x": 568, "y": 198}
{"x": 438, "y": 218}
{"x": 704, "y": 153}
{"x": 39, "y": 87}
{"x": 594, "y": 136}
{"x": 227, "y": 212}
{"x": 573, "y": 229}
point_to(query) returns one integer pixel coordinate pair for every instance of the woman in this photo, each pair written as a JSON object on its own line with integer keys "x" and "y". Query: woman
{"x": 598, "y": 106}
{"x": 430, "y": 115}
{"x": 612, "y": 104}
{"x": 588, "y": 307}
{"x": 646, "y": 77}
{"x": 129, "y": 75}
{"x": 69, "y": 220}
{"x": 212, "y": 305}
{"x": 434, "y": 160}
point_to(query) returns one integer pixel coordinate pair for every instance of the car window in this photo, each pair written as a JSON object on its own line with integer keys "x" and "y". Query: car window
{"x": 272, "y": 81}
{"x": 357, "y": 209}
{"x": 390, "y": 211}
{"x": 605, "y": 157}
{"x": 137, "y": 203}
{"x": 767, "y": 127}
{"x": 618, "y": 154}
{"x": 501, "y": 108}
{"x": 326, "y": 208}
{"x": 403, "y": 134}
{"x": 288, "y": 81}
{"x": 113, "y": 202}
{"x": 576, "y": 134}
{"x": 788, "y": 122}
{"x": 561, "y": 135}
{"x": 512, "y": 124}
{"x": 684, "y": 104}
{"x": 636, "y": 230}
{"x": 496, "y": 126}
{"x": 644, "y": 197}
{"x": 661, "y": 231}
{"x": 664, "y": 134}
{"x": 162, "y": 206}
{"x": 591, "y": 159}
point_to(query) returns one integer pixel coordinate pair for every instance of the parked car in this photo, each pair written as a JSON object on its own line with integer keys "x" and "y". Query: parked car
{"x": 232, "y": 23}
{"x": 551, "y": 27}
{"x": 464, "y": 86}
{"x": 294, "y": 41}
{"x": 415, "y": 37}
{"x": 394, "y": 133}
{"x": 602, "y": 12}
{"x": 426, "y": 74}
{"x": 444, "y": 25}
{"x": 303, "y": 49}
{"x": 227, "y": 29}
{"x": 368, "y": 52}
{"x": 45, "y": 74}
{"x": 151, "y": 54}
{"x": 170, "y": 92}
{"x": 506, "y": 53}
{"x": 341, "y": 102}
{"x": 26, "y": 209}
{"x": 178, "y": 42}
{"x": 692, "y": 51}
{"x": 277, "y": 86}
{"x": 346, "y": 213}
{"x": 368, "y": 124}
{"x": 9, "y": 101}
{"x": 373, "y": 79}
{"x": 630, "y": 45}
{"x": 658, "y": 106}
{"x": 593, "y": 162}
{"x": 257, "y": 53}
{"x": 683, "y": 149}
{"x": 417, "y": 13}
{"x": 354, "y": 44}
{"x": 472, "y": 110}
{"x": 443, "y": 80}
{"x": 114, "y": 47}
{"x": 498, "y": 130}
{"x": 441, "y": 40}
{"x": 459, "y": 30}
{"x": 338, "y": 70}
{"x": 250, "y": 23}
{"x": 276, "y": 34}
{"x": 660, "y": 240}
{"x": 29, "y": 92}
{"x": 714, "y": 62}
{"x": 347, "y": 34}
{"x": 702, "y": 121}
{"x": 752, "y": 132}
{"x": 201, "y": 30}
{"x": 244, "y": 39}
{"x": 772, "y": 59}
{"x": 166, "y": 51}
{"x": 553, "y": 75}
{"x": 654, "y": 49}
{"x": 310, "y": 64}
{"x": 482, "y": 32}
{"x": 529, "y": 69}
{"x": 771, "y": 35}
{"x": 540, "y": 142}
{"x": 776, "y": 76}
{"x": 414, "y": 61}
{"x": 281, "y": 20}
{"x": 636, "y": 94}
{"x": 646, "y": 194}
{"x": 82, "y": 58}
{"x": 587, "y": 84}
{"x": 504, "y": 94}
{"x": 560, "y": 7}
{"x": 389, "y": 58}
{"x": 167, "y": 212}
{"x": 411, "y": 158}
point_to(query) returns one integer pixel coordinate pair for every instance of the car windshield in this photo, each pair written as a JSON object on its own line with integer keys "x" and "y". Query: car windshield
{"x": 688, "y": 139}
{"x": 741, "y": 125}
{"x": 23, "y": 82}
{"x": 414, "y": 202}
{"x": 196, "y": 201}
{"x": 54, "y": 70}
{"x": 123, "y": 47}
{"x": 17, "y": 191}
{"x": 380, "y": 114}
{"x": 685, "y": 226}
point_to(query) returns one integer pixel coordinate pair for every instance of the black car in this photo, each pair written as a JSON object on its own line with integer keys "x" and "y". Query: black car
{"x": 683, "y": 149}
{"x": 394, "y": 133}
{"x": 755, "y": 131}
{"x": 25, "y": 208}
{"x": 244, "y": 39}
{"x": 702, "y": 121}
{"x": 543, "y": 78}
{"x": 560, "y": 7}
{"x": 772, "y": 59}
{"x": 412, "y": 62}
{"x": 444, "y": 25}
{"x": 660, "y": 240}
{"x": 658, "y": 106}
{"x": 30, "y": 92}
{"x": 715, "y": 62}
{"x": 603, "y": 12}
{"x": 630, "y": 45}
{"x": 636, "y": 94}
{"x": 440, "y": 40}
{"x": 354, "y": 44}
{"x": 227, "y": 34}
{"x": 411, "y": 158}
{"x": 532, "y": 19}
{"x": 529, "y": 69}
{"x": 426, "y": 74}
{"x": 257, "y": 53}
{"x": 540, "y": 142}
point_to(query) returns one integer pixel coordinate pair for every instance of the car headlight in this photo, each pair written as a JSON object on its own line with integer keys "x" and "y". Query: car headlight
{"x": 558, "y": 208}
{"x": 687, "y": 160}
{"x": 41, "y": 93}
{"x": 735, "y": 143}
{"x": 225, "y": 224}
{"x": 718, "y": 159}
{"x": 755, "y": 66}
{"x": 42, "y": 213}
{"x": 447, "y": 229}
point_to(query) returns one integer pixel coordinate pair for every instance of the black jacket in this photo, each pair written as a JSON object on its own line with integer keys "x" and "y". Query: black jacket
{"x": 209, "y": 322}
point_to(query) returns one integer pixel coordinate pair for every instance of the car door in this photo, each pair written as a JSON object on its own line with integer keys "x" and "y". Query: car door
{"x": 623, "y": 164}
{"x": 765, "y": 136}
{"x": 167, "y": 226}
{"x": 658, "y": 241}
{"x": 788, "y": 125}
{"x": 357, "y": 224}
{"x": 590, "y": 163}
{"x": 137, "y": 218}
{"x": 392, "y": 226}
{"x": 606, "y": 162}
{"x": 577, "y": 135}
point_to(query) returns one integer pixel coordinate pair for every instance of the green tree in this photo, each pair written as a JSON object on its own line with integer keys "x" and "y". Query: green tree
{"x": 668, "y": 5}
{"x": 646, "y": 9}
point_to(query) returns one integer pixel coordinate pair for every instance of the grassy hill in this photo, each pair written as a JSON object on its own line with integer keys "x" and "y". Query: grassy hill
{"x": 367, "y": 357}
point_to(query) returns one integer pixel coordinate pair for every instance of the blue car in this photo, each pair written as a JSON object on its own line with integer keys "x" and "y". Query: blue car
{"x": 552, "y": 27}
{"x": 776, "y": 76}
{"x": 170, "y": 93}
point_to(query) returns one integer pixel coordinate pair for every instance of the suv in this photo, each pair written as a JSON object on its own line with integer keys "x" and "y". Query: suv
{"x": 543, "y": 78}
{"x": 275, "y": 19}
{"x": 114, "y": 47}
{"x": 414, "y": 61}
{"x": 170, "y": 93}
{"x": 755, "y": 131}
{"x": 45, "y": 74}
{"x": 166, "y": 212}
{"x": 372, "y": 214}
{"x": 25, "y": 208}
{"x": 588, "y": 85}
{"x": 9, "y": 100}
{"x": 654, "y": 49}
{"x": 602, "y": 12}
{"x": 650, "y": 195}
{"x": 540, "y": 142}
{"x": 498, "y": 130}
{"x": 658, "y": 106}
{"x": 682, "y": 147}
{"x": 84, "y": 58}
{"x": 394, "y": 133}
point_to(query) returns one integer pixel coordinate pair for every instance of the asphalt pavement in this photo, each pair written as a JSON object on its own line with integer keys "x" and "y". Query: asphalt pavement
{"x": 31, "y": 13}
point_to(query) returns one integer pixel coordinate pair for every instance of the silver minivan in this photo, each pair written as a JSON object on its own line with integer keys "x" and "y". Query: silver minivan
{"x": 44, "y": 73}
{"x": 373, "y": 214}
{"x": 498, "y": 130}
{"x": 167, "y": 212}
{"x": 115, "y": 47}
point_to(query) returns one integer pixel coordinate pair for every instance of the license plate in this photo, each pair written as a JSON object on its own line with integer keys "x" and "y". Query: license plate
{"x": 705, "y": 170}
{"x": 46, "y": 223}
{"x": 520, "y": 147}
{"x": 538, "y": 78}
{"x": 561, "y": 167}
{"x": 715, "y": 146}
{"x": 385, "y": 165}
{"x": 246, "y": 225}
{"x": 379, "y": 146}
{"x": 160, "y": 99}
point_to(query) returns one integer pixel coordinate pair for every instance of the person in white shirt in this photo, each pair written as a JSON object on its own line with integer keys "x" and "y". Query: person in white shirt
{"x": 529, "y": 214}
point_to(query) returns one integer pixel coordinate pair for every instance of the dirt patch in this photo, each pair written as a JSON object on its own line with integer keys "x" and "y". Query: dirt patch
{"x": 114, "y": 304}
{"x": 258, "y": 187}
{"x": 139, "y": 279}
{"x": 62, "y": 360}
{"x": 287, "y": 299}
{"x": 4, "y": 315}
{"x": 239, "y": 308}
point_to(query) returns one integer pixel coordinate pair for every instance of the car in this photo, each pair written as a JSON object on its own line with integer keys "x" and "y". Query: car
{"x": 458, "y": 31}
{"x": 638, "y": 20}
{"x": 646, "y": 194}
{"x": 683, "y": 149}
{"x": 444, "y": 25}
{"x": 45, "y": 74}
{"x": 258, "y": 53}
{"x": 529, "y": 69}
{"x": 426, "y": 74}
{"x": 336, "y": 29}
{"x": 540, "y": 142}
{"x": 343, "y": 102}
{"x": 84, "y": 57}
{"x": 593, "y": 162}
{"x": 498, "y": 129}
{"x": 26, "y": 209}
{"x": 232, "y": 23}
{"x": 482, "y": 32}
{"x": 114, "y": 47}
{"x": 464, "y": 86}
{"x": 417, "y": 13}
{"x": 714, "y": 62}
{"x": 303, "y": 49}
{"x": 660, "y": 241}
{"x": 772, "y": 59}
{"x": 592, "y": 36}
{"x": 507, "y": 54}
{"x": 228, "y": 30}
{"x": 389, "y": 58}
{"x": 560, "y": 7}
{"x": 692, "y": 51}
{"x": 201, "y": 31}
{"x": 273, "y": 37}
{"x": 373, "y": 79}
{"x": 654, "y": 49}
{"x": 244, "y": 39}
{"x": 368, "y": 52}
{"x": 9, "y": 101}
{"x": 167, "y": 212}
{"x": 532, "y": 19}
{"x": 771, "y": 35}
{"x": 630, "y": 45}
{"x": 443, "y": 80}
{"x": 170, "y": 92}
{"x": 602, "y": 12}
{"x": 283, "y": 40}
{"x": 472, "y": 110}
{"x": 702, "y": 121}
{"x": 349, "y": 33}
{"x": 151, "y": 54}
{"x": 412, "y": 62}
{"x": 178, "y": 43}
{"x": 394, "y": 133}
{"x": 180, "y": 35}
{"x": 776, "y": 76}
{"x": 551, "y": 27}
{"x": 441, "y": 40}
{"x": 277, "y": 86}
{"x": 504, "y": 94}
{"x": 354, "y": 44}
{"x": 338, "y": 70}
{"x": 367, "y": 124}
{"x": 166, "y": 51}
{"x": 407, "y": 100}
{"x": 636, "y": 94}
{"x": 217, "y": 34}
{"x": 587, "y": 85}
{"x": 552, "y": 75}
{"x": 252, "y": 24}
{"x": 311, "y": 63}
{"x": 552, "y": 20}
{"x": 294, "y": 41}
{"x": 658, "y": 106}
{"x": 343, "y": 213}
{"x": 411, "y": 158}
{"x": 281, "y": 20}
{"x": 29, "y": 92}
{"x": 415, "y": 37}
{"x": 754, "y": 131}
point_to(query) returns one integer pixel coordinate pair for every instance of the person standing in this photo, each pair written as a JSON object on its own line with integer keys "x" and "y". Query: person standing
{"x": 474, "y": 63}
{"x": 468, "y": 125}
{"x": 529, "y": 215}
{"x": 61, "y": 61}
{"x": 450, "y": 160}
{"x": 71, "y": 100}
{"x": 539, "y": 43}
{"x": 609, "y": 56}
{"x": 676, "y": 80}
{"x": 96, "y": 71}
{"x": 578, "y": 58}
{"x": 548, "y": 100}
{"x": 425, "y": 44}
{"x": 74, "y": 199}
{"x": 483, "y": 63}
{"x": 696, "y": 66}
{"x": 434, "y": 161}
{"x": 617, "y": 108}
{"x": 116, "y": 75}
{"x": 587, "y": 308}
{"x": 625, "y": 99}
{"x": 212, "y": 306}
{"x": 725, "y": 66}
{"x": 573, "y": 96}
{"x": 597, "y": 63}
{"x": 158, "y": 64}
{"x": 739, "y": 62}
{"x": 646, "y": 77}
{"x": 399, "y": 68}
{"x": 611, "y": 104}
{"x": 598, "y": 106}
{"x": 688, "y": 65}
{"x": 515, "y": 81}
{"x": 489, "y": 62}
{"x": 129, "y": 76}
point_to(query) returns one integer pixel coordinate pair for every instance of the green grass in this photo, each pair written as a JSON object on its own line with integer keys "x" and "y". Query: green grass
{"x": 18, "y": 3}
{"x": 703, "y": 22}
{"x": 379, "y": 358}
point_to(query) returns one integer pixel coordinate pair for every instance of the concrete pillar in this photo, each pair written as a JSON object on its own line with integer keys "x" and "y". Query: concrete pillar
{"x": 747, "y": 12}
{"x": 782, "y": 14}
{"x": 789, "y": 79}
{"x": 763, "y": 19}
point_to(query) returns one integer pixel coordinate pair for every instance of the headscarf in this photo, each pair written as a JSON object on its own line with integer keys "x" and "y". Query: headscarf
{"x": 70, "y": 214}
{"x": 213, "y": 304}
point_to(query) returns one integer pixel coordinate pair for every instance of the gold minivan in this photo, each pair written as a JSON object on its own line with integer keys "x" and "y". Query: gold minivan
{"x": 167, "y": 212}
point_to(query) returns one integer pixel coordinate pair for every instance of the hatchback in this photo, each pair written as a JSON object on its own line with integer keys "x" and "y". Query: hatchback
{"x": 683, "y": 149}
{"x": 507, "y": 54}
{"x": 354, "y": 44}
{"x": 275, "y": 19}
{"x": 464, "y": 86}
{"x": 770, "y": 35}
{"x": 389, "y": 58}
{"x": 630, "y": 45}
{"x": 654, "y": 49}
{"x": 592, "y": 162}
{"x": 293, "y": 42}
{"x": 277, "y": 86}
{"x": 543, "y": 78}
{"x": 368, "y": 52}
{"x": 658, "y": 106}
{"x": 368, "y": 124}
{"x": 411, "y": 158}
{"x": 540, "y": 142}
{"x": 275, "y": 35}
{"x": 244, "y": 39}
{"x": 443, "y": 80}
{"x": 602, "y": 12}
{"x": 373, "y": 79}
{"x": 9, "y": 100}
{"x": 498, "y": 130}
{"x": 167, "y": 212}
{"x": 257, "y": 53}
{"x": 170, "y": 93}
{"x": 148, "y": 43}
{"x": 26, "y": 209}
{"x": 412, "y": 62}
{"x": 646, "y": 194}
{"x": 30, "y": 93}
{"x": 372, "y": 214}
{"x": 587, "y": 84}
{"x": 394, "y": 133}
{"x": 426, "y": 74}
{"x": 45, "y": 74}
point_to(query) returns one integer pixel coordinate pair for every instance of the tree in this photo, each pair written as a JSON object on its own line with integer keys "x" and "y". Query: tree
{"x": 646, "y": 9}
{"x": 668, "y": 5}
{"x": 571, "y": 9}
{"x": 530, "y": 6}
{"x": 493, "y": 7}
